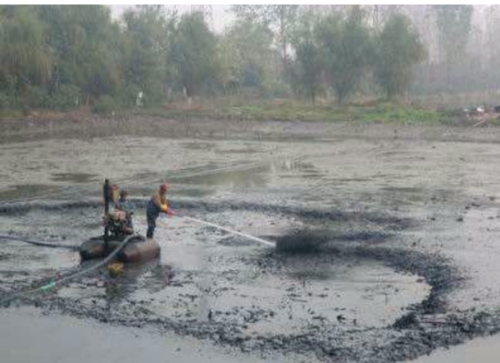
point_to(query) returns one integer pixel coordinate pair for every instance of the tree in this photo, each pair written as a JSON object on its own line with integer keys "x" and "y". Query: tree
{"x": 379, "y": 14}
{"x": 308, "y": 61}
{"x": 492, "y": 48}
{"x": 281, "y": 16}
{"x": 454, "y": 26}
{"x": 308, "y": 70}
{"x": 398, "y": 50}
{"x": 24, "y": 58}
{"x": 246, "y": 47}
{"x": 194, "y": 53}
{"x": 145, "y": 47}
{"x": 346, "y": 50}
{"x": 84, "y": 41}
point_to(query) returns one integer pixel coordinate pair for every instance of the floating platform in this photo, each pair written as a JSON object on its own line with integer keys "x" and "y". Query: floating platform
{"x": 138, "y": 249}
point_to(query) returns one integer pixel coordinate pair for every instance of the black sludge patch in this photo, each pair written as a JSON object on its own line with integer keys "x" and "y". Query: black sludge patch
{"x": 302, "y": 242}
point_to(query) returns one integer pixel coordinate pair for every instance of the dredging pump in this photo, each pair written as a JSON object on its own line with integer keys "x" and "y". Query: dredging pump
{"x": 117, "y": 228}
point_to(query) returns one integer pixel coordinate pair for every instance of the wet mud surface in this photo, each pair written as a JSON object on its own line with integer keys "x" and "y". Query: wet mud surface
{"x": 386, "y": 249}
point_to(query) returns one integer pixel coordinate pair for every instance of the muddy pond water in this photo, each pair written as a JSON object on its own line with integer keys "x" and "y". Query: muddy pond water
{"x": 382, "y": 227}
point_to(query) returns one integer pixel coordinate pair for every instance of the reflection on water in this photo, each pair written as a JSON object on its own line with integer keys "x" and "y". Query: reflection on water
{"x": 150, "y": 276}
{"x": 233, "y": 178}
{"x": 247, "y": 176}
{"x": 132, "y": 277}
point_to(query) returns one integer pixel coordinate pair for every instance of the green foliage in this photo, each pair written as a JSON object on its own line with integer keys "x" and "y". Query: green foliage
{"x": 308, "y": 72}
{"x": 106, "y": 105}
{"x": 128, "y": 95}
{"x": 398, "y": 50}
{"x": 454, "y": 24}
{"x": 24, "y": 58}
{"x": 84, "y": 41}
{"x": 280, "y": 18}
{"x": 10, "y": 90}
{"x": 194, "y": 53}
{"x": 247, "y": 55}
{"x": 36, "y": 97}
{"x": 145, "y": 43}
{"x": 347, "y": 49}
{"x": 62, "y": 57}
{"x": 67, "y": 97}
{"x": 6, "y": 101}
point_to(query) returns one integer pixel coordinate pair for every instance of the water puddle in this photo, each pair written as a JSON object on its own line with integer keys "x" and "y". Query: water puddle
{"x": 249, "y": 175}
{"x": 74, "y": 177}
{"x": 24, "y": 191}
{"x": 237, "y": 177}
{"x": 198, "y": 145}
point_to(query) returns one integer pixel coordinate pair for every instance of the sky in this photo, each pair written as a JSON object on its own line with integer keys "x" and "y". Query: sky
{"x": 220, "y": 14}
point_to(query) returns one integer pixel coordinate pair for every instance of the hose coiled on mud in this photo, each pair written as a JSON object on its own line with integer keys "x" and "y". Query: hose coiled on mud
{"x": 38, "y": 243}
{"x": 65, "y": 279}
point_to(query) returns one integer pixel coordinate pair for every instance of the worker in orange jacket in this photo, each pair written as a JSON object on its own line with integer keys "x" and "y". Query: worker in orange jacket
{"x": 156, "y": 205}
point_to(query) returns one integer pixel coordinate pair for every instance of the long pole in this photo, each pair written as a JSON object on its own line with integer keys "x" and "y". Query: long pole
{"x": 105, "y": 193}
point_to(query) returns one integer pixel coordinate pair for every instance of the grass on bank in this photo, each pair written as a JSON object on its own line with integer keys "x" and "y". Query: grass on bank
{"x": 293, "y": 110}
{"x": 276, "y": 110}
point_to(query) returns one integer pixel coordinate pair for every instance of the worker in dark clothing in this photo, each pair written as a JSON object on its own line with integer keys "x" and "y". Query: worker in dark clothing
{"x": 156, "y": 205}
{"x": 125, "y": 205}
{"x": 119, "y": 217}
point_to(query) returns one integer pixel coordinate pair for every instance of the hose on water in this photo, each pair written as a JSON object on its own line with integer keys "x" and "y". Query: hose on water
{"x": 108, "y": 259}
{"x": 228, "y": 230}
{"x": 38, "y": 243}
{"x": 65, "y": 279}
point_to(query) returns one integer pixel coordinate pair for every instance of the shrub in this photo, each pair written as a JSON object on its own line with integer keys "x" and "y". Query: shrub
{"x": 105, "y": 105}
{"x": 67, "y": 97}
{"x": 6, "y": 101}
{"x": 37, "y": 97}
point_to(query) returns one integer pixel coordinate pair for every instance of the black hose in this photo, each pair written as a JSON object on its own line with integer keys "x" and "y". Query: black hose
{"x": 72, "y": 276}
{"x": 38, "y": 243}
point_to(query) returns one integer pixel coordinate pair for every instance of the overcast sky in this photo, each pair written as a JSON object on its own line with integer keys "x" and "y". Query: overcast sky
{"x": 220, "y": 16}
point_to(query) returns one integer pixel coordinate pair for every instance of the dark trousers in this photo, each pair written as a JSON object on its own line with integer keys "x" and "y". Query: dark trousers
{"x": 152, "y": 212}
{"x": 151, "y": 224}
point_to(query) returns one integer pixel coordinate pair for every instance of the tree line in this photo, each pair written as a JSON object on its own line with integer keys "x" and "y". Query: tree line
{"x": 62, "y": 57}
